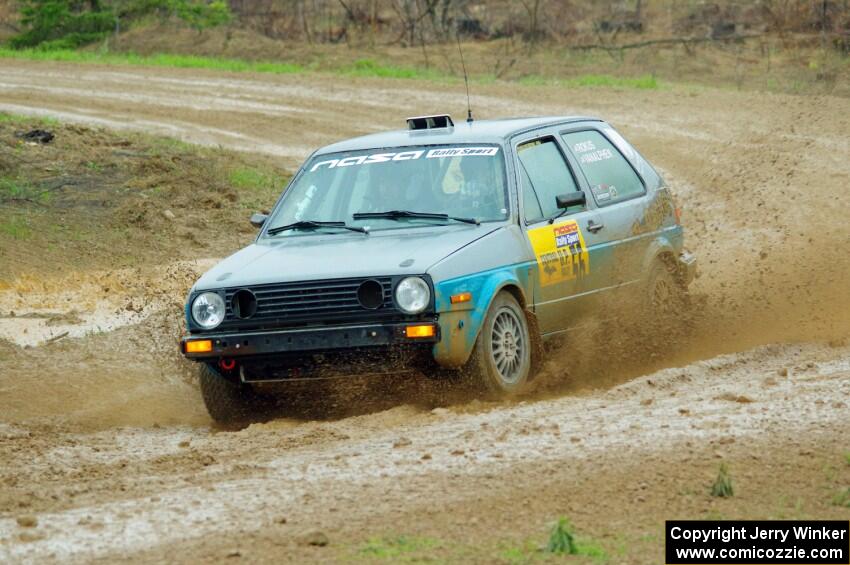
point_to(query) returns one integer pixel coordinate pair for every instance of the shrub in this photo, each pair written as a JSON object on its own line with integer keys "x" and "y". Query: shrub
{"x": 67, "y": 24}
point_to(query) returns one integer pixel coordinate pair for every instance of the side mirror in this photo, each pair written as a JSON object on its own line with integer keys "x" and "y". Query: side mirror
{"x": 257, "y": 219}
{"x": 570, "y": 199}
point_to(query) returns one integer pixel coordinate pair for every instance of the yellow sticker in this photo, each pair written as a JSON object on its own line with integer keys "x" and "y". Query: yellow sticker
{"x": 560, "y": 251}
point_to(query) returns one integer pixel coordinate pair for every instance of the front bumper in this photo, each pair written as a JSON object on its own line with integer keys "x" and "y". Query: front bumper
{"x": 270, "y": 342}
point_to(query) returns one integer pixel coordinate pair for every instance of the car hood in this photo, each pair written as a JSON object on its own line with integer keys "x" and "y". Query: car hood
{"x": 341, "y": 255}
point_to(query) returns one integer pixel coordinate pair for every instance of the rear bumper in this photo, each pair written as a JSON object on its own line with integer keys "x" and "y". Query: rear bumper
{"x": 270, "y": 342}
{"x": 687, "y": 267}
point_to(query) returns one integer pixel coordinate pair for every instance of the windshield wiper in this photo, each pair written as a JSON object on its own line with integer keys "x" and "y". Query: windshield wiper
{"x": 401, "y": 214}
{"x": 312, "y": 225}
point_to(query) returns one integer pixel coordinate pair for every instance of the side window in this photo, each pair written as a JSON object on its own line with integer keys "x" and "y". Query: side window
{"x": 610, "y": 176}
{"x": 530, "y": 205}
{"x": 545, "y": 171}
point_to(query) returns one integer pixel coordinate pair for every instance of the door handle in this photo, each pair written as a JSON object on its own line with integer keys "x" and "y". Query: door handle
{"x": 593, "y": 227}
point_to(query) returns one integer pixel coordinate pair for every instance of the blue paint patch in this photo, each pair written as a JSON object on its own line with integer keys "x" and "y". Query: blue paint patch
{"x": 460, "y": 323}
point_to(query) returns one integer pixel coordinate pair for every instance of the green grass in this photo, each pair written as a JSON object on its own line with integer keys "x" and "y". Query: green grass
{"x": 842, "y": 498}
{"x": 16, "y": 228}
{"x": 562, "y": 541}
{"x": 362, "y": 67}
{"x": 20, "y": 119}
{"x": 371, "y": 68}
{"x": 359, "y": 68}
{"x": 398, "y": 549}
{"x": 253, "y": 179}
{"x": 645, "y": 82}
{"x": 257, "y": 187}
{"x": 172, "y": 144}
{"x": 847, "y": 457}
{"x": 14, "y": 189}
{"x": 158, "y": 60}
{"x": 722, "y": 486}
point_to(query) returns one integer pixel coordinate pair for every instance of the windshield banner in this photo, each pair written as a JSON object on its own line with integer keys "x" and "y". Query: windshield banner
{"x": 407, "y": 156}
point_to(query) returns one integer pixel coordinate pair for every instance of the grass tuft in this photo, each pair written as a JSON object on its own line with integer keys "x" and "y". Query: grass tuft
{"x": 722, "y": 486}
{"x": 842, "y": 498}
{"x": 561, "y": 539}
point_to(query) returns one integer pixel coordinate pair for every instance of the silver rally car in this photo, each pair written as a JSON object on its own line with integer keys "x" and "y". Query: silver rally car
{"x": 441, "y": 248}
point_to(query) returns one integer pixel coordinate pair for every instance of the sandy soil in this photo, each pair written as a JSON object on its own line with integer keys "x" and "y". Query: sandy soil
{"x": 105, "y": 443}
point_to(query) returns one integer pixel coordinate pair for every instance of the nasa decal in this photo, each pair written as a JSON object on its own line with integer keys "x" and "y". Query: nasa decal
{"x": 406, "y": 156}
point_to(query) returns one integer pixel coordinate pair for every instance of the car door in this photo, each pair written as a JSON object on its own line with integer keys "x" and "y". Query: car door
{"x": 618, "y": 192}
{"x": 562, "y": 256}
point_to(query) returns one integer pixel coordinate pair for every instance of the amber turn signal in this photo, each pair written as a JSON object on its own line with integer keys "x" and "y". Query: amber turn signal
{"x": 420, "y": 331}
{"x": 462, "y": 297}
{"x": 200, "y": 346}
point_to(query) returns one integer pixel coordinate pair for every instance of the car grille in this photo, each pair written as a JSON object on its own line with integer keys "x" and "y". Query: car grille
{"x": 295, "y": 304}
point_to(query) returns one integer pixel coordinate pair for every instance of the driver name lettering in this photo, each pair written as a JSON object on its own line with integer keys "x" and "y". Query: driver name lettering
{"x": 595, "y": 156}
{"x": 587, "y": 152}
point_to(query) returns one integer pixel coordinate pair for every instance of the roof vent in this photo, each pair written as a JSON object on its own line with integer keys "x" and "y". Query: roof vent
{"x": 430, "y": 122}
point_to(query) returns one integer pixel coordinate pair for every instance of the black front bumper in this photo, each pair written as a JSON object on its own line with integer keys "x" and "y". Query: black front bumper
{"x": 271, "y": 342}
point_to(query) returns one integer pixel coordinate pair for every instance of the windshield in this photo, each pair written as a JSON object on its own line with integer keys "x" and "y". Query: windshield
{"x": 459, "y": 180}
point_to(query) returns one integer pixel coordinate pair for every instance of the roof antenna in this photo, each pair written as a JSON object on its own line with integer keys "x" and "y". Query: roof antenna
{"x": 465, "y": 80}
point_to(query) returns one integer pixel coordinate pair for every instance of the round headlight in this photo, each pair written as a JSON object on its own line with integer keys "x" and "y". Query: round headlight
{"x": 208, "y": 310}
{"x": 412, "y": 295}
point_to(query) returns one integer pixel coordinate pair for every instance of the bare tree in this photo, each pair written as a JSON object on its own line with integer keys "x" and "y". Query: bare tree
{"x": 532, "y": 7}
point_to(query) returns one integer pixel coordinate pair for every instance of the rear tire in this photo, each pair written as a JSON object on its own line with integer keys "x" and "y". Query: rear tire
{"x": 666, "y": 299}
{"x": 501, "y": 361}
{"x": 230, "y": 402}
{"x": 666, "y": 307}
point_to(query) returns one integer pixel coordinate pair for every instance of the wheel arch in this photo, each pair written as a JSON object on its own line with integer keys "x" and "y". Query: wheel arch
{"x": 660, "y": 250}
{"x": 461, "y": 325}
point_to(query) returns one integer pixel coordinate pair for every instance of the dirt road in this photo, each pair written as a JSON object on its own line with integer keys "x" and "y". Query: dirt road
{"x": 104, "y": 442}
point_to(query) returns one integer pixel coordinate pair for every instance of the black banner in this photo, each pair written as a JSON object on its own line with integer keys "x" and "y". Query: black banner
{"x": 768, "y": 542}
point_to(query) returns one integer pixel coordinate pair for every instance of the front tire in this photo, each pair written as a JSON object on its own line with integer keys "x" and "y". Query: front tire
{"x": 501, "y": 361}
{"x": 229, "y": 402}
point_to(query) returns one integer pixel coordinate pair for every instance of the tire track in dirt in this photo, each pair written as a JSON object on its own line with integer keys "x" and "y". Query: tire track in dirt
{"x": 735, "y": 398}
{"x": 737, "y": 165}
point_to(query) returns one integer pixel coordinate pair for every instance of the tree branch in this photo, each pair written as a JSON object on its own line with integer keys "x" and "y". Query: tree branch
{"x": 666, "y": 41}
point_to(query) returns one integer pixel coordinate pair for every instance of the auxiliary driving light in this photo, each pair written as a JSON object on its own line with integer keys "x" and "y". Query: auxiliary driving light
{"x": 200, "y": 346}
{"x": 427, "y": 330}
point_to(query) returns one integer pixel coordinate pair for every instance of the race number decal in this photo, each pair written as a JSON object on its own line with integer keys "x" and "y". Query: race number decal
{"x": 561, "y": 252}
